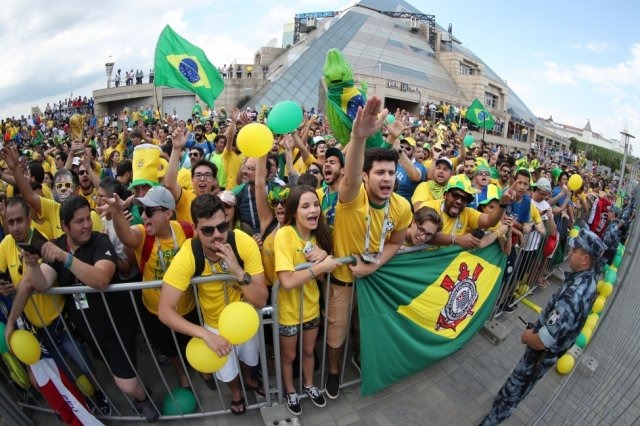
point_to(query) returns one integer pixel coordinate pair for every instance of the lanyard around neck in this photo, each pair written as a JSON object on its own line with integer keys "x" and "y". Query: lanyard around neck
{"x": 387, "y": 226}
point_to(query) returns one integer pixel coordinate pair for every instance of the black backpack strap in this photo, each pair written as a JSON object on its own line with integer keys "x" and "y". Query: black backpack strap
{"x": 198, "y": 255}
{"x": 231, "y": 239}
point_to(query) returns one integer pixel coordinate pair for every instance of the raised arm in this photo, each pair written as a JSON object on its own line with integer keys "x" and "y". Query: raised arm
{"x": 264, "y": 211}
{"x": 10, "y": 156}
{"x": 366, "y": 124}
{"x": 171, "y": 178}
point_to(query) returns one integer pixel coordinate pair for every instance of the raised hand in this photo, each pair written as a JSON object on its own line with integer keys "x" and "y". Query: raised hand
{"x": 368, "y": 119}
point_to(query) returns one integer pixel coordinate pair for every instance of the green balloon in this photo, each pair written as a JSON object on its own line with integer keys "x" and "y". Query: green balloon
{"x": 285, "y": 117}
{"x": 183, "y": 402}
{"x": 581, "y": 341}
{"x": 605, "y": 269}
{"x": 610, "y": 277}
{"x": 468, "y": 141}
{"x": 617, "y": 260}
{"x": 390, "y": 118}
{"x": 4, "y": 348}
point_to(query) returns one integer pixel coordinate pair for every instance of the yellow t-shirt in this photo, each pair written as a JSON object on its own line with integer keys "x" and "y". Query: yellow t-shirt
{"x": 211, "y": 295}
{"x": 183, "y": 206}
{"x": 41, "y": 309}
{"x": 350, "y": 227}
{"x": 153, "y": 269}
{"x": 91, "y": 197}
{"x": 300, "y": 165}
{"x": 535, "y": 214}
{"x": 232, "y": 163}
{"x": 422, "y": 194}
{"x": 466, "y": 221}
{"x": 50, "y": 210}
{"x": 288, "y": 251}
{"x": 44, "y": 228}
{"x": 268, "y": 258}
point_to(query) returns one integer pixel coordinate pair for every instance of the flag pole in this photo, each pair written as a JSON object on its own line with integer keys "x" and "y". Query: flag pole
{"x": 158, "y": 106}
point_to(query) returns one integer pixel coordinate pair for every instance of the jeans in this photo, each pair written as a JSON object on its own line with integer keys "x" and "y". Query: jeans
{"x": 58, "y": 342}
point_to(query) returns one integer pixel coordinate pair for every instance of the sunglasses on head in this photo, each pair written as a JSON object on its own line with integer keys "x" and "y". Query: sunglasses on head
{"x": 149, "y": 211}
{"x": 208, "y": 231}
{"x": 61, "y": 185}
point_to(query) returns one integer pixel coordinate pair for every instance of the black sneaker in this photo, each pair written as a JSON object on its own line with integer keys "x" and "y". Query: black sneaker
{"x": 146, "y": 409}
{"x": 355, "y": 360}
{"x": 332, "y": 387}
{"x": 315, "y": 396}
{"x": 102, "y": 403}
{"x": 293, "y": 403}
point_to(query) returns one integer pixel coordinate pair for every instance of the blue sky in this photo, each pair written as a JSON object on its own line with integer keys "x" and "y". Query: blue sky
{"x": 573, "y": 61}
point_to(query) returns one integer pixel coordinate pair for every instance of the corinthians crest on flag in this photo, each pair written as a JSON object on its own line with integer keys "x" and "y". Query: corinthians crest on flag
{"x": 422, "y": 307}
{"x": 182, "y": 65}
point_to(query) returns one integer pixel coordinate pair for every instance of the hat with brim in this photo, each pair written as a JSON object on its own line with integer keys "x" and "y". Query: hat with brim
{"x": 411, "y": 141}
{"x": 445, "y": 160}
{"x": 145, "y": 164}
{"x": 462, "y": 183}
{"x": 589, "y": 242}
{"x": 492, "y": 193}
{"x": 158, "y": 196}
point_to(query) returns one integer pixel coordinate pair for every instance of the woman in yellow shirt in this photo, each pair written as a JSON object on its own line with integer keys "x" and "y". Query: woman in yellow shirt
{"x": 304, "y": 238}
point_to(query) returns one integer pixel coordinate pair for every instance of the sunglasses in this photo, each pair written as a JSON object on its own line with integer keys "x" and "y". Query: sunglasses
{"x": 149, "y": 211}
{"x": 194, "y": 154}
{"x": 61, "y": 185}
{"x": 483, "y": 173}
{"x": 458, "y": 196}
{"x": 208, "y": 231}
{"x": 82, "y": 172}
{"x": 314, "y": 171}
{"x": 275, "y": 203}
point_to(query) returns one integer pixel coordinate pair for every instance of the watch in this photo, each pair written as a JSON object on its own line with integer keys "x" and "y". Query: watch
{"x": 246, "y": 280}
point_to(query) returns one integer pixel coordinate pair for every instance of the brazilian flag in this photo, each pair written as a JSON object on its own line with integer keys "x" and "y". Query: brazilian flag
{"x": 421, "y": 307}
{"x": 182, "y": 65}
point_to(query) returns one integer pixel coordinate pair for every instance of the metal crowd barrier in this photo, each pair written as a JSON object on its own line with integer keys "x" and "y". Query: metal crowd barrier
{"x": 528, "y": 265}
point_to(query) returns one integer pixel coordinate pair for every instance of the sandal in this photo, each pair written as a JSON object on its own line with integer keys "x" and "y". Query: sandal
{"x": 238, "y": 407}
{"x": 259, "y": 388}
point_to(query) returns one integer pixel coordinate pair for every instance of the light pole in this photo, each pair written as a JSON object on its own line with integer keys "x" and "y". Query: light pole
{"x": 625, "y": 139}
{"x": 109, "y": 67}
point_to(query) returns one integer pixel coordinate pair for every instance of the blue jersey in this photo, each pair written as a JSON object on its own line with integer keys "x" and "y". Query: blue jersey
{"x": 405, "y": 185}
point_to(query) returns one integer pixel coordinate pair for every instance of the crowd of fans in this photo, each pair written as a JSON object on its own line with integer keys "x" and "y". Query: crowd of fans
{"x": 147, "y": 183}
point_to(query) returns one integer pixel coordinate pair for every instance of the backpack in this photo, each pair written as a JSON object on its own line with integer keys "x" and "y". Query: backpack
{"x": 151, "y": 239}
{"x": 198, "y": 253}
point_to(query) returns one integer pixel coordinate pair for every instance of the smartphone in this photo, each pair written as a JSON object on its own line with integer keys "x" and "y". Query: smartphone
{"x": 478, "y": 233}
{"x": 36, "y": 243}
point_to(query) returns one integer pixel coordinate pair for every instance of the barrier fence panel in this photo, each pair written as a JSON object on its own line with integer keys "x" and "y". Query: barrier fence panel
{"x": 528, "y": 264}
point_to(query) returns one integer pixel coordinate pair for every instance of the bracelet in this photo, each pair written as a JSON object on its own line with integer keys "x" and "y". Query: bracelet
{"x": 313, "y": 276}
{"x": 453, "y": 239}
{"x": 69, "y": 261}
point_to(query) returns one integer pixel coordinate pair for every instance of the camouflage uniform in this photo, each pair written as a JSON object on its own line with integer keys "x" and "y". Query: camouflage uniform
{"x": 611, "y": 238}
{"x": 558, "y": 326}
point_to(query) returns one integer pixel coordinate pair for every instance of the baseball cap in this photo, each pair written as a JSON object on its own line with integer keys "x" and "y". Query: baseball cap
{"x": 446, "y": 161}
{"x": 317, "y": 139}
{"x": 411, "y": 141}
{"x": 438, "y": 146}
{"x": 158, "y": 196}
{"x": 227, "y": 197}
{"x": 543, "y": 184}
{"x": 589, "y": 242}
{"x": 335, "y": 152}
{"x": 616, "y": 210}
{"x": 76, "y": 161}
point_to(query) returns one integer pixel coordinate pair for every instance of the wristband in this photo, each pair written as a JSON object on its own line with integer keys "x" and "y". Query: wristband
{"x": 453, "y": 239}
{"x": 313, "y": 276}
{"x": 69, "y": 261}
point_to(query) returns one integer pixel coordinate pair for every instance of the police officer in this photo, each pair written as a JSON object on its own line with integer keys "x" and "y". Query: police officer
{"x": 557, "y": 327}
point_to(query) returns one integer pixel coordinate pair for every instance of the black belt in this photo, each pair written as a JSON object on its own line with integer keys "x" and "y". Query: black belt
{"x": 337, "y": 282}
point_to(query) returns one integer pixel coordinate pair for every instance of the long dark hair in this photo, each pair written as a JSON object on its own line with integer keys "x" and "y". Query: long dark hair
{"x": 322, "y": 232}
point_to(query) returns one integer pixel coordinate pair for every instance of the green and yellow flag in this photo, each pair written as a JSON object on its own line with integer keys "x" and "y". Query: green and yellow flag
{"x": 422, "y": 307}
{"x": 183, "y": 65}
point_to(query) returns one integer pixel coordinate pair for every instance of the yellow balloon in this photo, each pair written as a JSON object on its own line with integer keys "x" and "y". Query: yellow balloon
{"x": 255, "y": 140}
{"x": 565, "y": 364}
{"x": 238, "y": 322}
{"x": 591, "y": 322}
{"x": 85, "y": 386}
{"x": 573, "y": 233}
{"x": 599, "y": 285}
{"x": 588, "y": 332}
{"x": 613, "y": 268}
{"x": 606, "y": 290}
{"x": 202, "y": 358}
{"x": 25, "y": 346}
{"x": 575, "y": 182}
{"x": 598, "y": 305}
